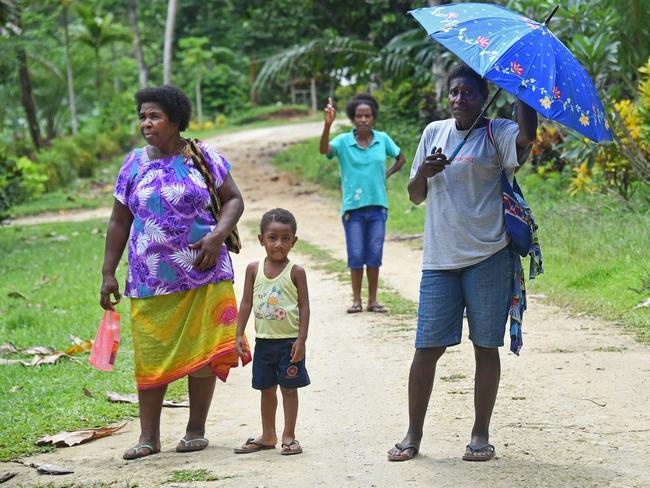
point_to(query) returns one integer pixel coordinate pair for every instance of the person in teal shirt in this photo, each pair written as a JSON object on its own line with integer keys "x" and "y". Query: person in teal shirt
{"x": 362, "y": 155}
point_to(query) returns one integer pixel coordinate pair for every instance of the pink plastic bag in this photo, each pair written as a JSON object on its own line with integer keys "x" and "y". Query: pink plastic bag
{"x": 107, "y": 341}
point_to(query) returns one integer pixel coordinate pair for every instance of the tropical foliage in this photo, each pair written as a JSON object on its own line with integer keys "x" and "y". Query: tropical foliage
{"x": 73, "y": 66}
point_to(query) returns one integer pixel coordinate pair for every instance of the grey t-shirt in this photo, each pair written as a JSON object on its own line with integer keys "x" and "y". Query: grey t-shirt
{"x": 464, "y": 217}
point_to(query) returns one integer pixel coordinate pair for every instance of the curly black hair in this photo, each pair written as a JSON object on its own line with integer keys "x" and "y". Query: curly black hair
{"x": 172, "y": 100}
{"x": 278, "y": 215}
{"x": 362, "y": 99}
{"x": 463, "y": 71}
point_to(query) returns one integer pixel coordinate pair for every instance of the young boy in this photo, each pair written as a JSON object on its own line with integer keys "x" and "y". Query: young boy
{"x": 276, "y": 289}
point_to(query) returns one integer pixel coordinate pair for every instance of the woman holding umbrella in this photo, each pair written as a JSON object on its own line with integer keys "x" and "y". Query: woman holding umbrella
{"x": 467, "y": 260}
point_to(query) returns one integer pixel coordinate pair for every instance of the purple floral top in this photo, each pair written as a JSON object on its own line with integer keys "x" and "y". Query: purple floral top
{"x": 170, "y": 204}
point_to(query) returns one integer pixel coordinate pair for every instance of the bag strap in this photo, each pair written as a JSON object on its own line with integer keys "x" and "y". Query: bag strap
{"x": 490, "y": 135}
{"x": 196, "y": 154}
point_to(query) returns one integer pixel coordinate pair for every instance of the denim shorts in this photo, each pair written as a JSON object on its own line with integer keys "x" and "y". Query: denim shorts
{"x": 484, "y": 289}
{"x": 365, "y": 229}
{"x": 272, "y": 365}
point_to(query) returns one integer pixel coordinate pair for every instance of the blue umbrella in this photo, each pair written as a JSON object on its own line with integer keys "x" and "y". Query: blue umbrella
{"x": 524, "y": 58}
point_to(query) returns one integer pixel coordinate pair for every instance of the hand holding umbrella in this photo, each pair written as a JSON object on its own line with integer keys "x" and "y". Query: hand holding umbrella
{"x": 522, "y": 57}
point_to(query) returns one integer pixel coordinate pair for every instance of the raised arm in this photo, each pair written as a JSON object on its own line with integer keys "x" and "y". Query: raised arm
{"x": 119, "y": 227}
{"x": 329, "y": 115}
{"x": 527, "y": 120}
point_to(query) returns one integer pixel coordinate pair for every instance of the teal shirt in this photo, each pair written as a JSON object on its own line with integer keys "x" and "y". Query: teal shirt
{"x": 363, "y": 170}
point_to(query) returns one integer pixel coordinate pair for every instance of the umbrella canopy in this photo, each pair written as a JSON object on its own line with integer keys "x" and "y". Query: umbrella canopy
{"x": 524, "y": 58}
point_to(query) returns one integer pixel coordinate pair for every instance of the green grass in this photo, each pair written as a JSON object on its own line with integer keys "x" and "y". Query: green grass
{"x": 190, "y": 475}
{"x": 596, "y": 257}
{"x": 49, "y": 399}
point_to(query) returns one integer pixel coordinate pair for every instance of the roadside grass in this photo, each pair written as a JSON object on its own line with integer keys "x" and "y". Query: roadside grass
{"x": 191, "y": 475}
{"x": 595, "y": 253}
{"x": 60, "y": 281}
{"x": 97, "y": 191}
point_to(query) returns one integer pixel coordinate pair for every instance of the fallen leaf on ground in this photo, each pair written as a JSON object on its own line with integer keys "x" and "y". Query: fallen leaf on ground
{"x": 72, "y": 438}
{"x": 39, "y": 350}
{"x": 79, "y": 345}
{"x": 9, "y": 362}
{"x": 87, "y": 392}
{"x": 46, "y": 468}
{"x": 16, "y": 294}
{"x": 8, "y": 348}
{"x": 49, "y": 359}
{"x": 121, "y": 398}
{"x": 15, "y": 388}
{"x": 6, "y": 477}
{"x": 133, "y": 398}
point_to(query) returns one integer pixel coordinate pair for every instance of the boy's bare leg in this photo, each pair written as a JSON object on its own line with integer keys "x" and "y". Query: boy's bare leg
{"x": 486, "y": 386}
{"x": 200, "y": 390}
{"x": 421, "y": 376}
{"x": 269, "y": 405}
{"x": 269, "y": 437}
{"x": 290, "y": 405}
{"x": 357, "y": 278}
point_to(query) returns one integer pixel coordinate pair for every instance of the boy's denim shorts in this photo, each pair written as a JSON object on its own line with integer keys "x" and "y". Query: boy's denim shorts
{"x": 272, "y": 365}
{"x": 365, "y": 229}
{"x": 484, "y": 289}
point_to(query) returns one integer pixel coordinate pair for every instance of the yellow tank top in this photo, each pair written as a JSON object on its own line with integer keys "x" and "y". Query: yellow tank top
{"x": 275, "y": 304}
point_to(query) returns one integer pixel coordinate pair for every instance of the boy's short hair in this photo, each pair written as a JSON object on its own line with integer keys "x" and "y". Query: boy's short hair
{"x": 278, "y": 215}
{"x": 461, "y": 70}
{"x": 362, "y": 99}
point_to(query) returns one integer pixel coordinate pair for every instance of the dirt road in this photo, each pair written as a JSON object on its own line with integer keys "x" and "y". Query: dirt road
{"x": 572, "y": 410}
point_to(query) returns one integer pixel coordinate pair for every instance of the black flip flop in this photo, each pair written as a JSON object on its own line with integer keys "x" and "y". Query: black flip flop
{"x": 257, "y": 447}
{"x": 402, "y": 449}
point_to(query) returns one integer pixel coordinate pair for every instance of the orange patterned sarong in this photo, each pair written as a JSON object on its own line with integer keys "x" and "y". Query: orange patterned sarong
{"x": 181, "y": 333}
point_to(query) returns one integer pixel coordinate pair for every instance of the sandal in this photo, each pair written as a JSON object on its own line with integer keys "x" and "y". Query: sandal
{"x": 287, "y": 450}
{"x": 480, "y": 453}
{"x": 403, "y": 454}
{"x": 355, "y": 308}
{"x": 256, "y": 447}
{"x": 137, "y": 452}
{"x": 191, "y": 445}
{"x": 377, "y": 308}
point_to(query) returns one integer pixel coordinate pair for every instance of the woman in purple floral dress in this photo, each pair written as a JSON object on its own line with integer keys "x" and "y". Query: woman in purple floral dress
{"x": 180, "y": 276}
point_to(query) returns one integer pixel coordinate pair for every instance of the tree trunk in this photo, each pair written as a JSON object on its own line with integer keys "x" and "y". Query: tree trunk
{"x": 98, "y": 76}
{"x": 199, "y": 103}
{"x": 72, "y": 104}
{"x": 27, "y": 100}
{"x": 143, "y": 75}
{"x": 117, "y": 87}
{"x": 314, "y": 100}
{"x": 293, "y": 93}
{"x": 50, "y": 127}
{"x": 169, "y": 40}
